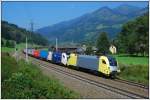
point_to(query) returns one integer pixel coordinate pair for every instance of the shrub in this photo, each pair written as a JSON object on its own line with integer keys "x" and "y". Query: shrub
{"x": 10, "y": 43}
{"x": 22, "y": 80}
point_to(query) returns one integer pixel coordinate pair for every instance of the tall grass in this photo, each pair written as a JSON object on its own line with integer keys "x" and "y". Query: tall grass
{"x": 22, "y": 80}
{"x": 137, "y": 73}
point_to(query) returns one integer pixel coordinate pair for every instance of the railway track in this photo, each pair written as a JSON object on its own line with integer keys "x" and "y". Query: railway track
{"x": 131, "y": 83}
{"x": 110, "y": 88}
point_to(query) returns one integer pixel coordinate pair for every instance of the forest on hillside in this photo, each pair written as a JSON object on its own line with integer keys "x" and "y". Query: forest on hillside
{"x": 13, "y": 32}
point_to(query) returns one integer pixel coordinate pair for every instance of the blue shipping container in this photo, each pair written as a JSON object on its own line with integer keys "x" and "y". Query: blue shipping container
{"x": 56, "y": 57}
{"x": 43, "y": 54}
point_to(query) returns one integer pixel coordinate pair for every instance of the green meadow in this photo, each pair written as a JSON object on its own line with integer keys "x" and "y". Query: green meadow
{"x": 129, "y": 60}
{"x": 20, "y": 47}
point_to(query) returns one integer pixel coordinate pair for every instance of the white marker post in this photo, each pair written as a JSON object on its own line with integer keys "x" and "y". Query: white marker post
{"x": 15, "y": 54}
{"x": 26, "y": 51}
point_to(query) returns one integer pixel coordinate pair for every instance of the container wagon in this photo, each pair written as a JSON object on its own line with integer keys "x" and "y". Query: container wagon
{"x": 56, "y": 57}
{"x": 36, "y": 53}
{"x": 72, "y": 60}
{"x": 43, "y": 54}
{"x": 64, "y": 58}
{"x": 49, "y": 57}
{"x": 30, "y": 51}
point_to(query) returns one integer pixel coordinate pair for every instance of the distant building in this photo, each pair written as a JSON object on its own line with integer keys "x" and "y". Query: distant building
{"x": 73, "y": 49}
{"x": 94, "y": 49}
{"x": 112, "y": 49}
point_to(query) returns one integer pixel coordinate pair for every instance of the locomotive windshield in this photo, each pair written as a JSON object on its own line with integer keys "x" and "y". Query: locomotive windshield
{"x": 112, "y": 61}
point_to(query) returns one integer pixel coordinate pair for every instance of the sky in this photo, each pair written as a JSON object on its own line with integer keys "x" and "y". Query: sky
{"x": 48, "y": 13}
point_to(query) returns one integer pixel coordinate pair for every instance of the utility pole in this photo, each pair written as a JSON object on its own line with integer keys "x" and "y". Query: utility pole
{"x": 26, "y": 50}
{"x": 56, "y": 44}
{"x": 32, "y": 28}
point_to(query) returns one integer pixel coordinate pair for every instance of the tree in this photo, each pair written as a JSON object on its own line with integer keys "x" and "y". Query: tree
{"x": 134, "y": 36}
{"x": 103, "y": 43}
{"x": 3, "y": 44}
{"x": 13, "y": 32}
{"x": 89, "y": 50}
{"x": 7, "y": 43}
{"x": 12, "y": 44}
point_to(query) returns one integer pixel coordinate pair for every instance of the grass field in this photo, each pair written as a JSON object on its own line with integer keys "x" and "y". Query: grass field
{"x": 18, "y": 46}
{"x": 129, "y": 60}
{"x": 134, "y": 68}
{"x": 6, "y": 49}
{"x": 20, "y": 80}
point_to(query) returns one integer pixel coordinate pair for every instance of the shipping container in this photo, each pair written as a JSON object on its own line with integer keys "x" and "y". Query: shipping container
{"x": 43, "y": 54}
{"x": 36, "y": 53}
{"x": 30, "y": 51}
{"x": 56, "y": 57}
{"x": 72, "y": 60}
{"x": 64, "y": 58}
{"x": 49, "y": 57}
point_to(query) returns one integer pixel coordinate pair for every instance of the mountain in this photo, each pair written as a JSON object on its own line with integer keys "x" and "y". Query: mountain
{"x": 88, "y": 26}
{"x": 126, "y": 9}
{"x": 13, "y": 32}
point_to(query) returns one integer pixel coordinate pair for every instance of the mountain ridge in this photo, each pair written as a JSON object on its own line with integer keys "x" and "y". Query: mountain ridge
{"x": 89, "y": 25}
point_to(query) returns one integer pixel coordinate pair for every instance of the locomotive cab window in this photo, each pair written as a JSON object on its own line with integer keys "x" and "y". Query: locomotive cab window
{"x": 112, "y": 61}
{"x": 103, "y": 61}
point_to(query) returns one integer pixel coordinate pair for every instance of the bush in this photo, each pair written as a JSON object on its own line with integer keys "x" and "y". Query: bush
{"x": 21, "y": 80}
{"x": 7, "y": 68}
{"x": 10, "y": 43}
{"x": 2, "y": 43}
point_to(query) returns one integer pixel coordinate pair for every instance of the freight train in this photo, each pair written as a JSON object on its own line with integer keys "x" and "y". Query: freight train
{"x": 106, "y": 65}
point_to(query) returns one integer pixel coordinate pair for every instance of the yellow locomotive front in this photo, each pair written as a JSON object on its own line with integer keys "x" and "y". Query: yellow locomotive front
{"x": 108, "y": 66}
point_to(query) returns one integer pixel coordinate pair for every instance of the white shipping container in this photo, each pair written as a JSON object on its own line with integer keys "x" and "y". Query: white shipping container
{"x": 49, "y": 57}
{"x": 64, "y": 58}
